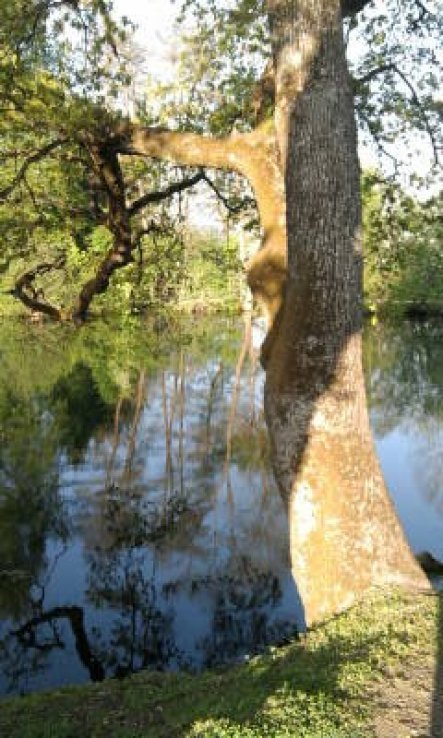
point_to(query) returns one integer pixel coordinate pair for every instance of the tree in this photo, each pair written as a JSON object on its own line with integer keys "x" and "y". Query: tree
{"x": 403, "y": 249}
{"x": 303, "y": 169}
{"x": 343, "y": 528}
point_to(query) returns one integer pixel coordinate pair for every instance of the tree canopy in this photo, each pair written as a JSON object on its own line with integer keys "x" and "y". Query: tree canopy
{"x": 76, "y": 198}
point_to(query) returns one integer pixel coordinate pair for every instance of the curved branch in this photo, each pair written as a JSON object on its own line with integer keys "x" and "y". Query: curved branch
{"x": 251, "y": 154}
{"x": 27, "y": 635}
{"x": 37, "y": 156}
{"x": 160, "y": 195}
{"x": 234, "y": 209}
{"x": 107, "y": 166}
{"x": 25, "y": 291}
{"x": 366, "y": 120}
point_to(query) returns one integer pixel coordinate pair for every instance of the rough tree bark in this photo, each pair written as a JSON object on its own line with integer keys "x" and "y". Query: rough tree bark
{"x": 344, "y": 533}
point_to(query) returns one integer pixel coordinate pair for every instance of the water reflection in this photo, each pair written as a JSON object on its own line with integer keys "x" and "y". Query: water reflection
{"x": 152, "y": 533}
{"x": 405, "y": 383}
{"x": 139, "y": 523}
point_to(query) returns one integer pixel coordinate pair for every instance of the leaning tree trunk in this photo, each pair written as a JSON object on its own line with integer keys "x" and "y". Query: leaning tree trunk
{"x": 344, "y": 533}
{"x": 107, "y": 167}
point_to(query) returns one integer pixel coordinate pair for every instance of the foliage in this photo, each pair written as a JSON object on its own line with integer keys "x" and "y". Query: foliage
{"x": 229, "y": 45}
{"x": 395, "y": 60}
{"x": 403, "y": 241}
{"x": 213, "y": 271}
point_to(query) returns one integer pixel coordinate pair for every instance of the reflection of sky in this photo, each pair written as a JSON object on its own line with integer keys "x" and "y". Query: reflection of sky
{"x": 405, "y": 463}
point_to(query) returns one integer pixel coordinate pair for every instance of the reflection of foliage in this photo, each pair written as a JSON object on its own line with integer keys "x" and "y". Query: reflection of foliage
{"x": 131, "y": 519}
{"x": 251, "y": 446}
{"x": 243, "y": 603}
{"x": 404, "y": 368}
{"x": 430, "y": 464}
{"x": 79, "y": 409}
{"x": 142, "y": 634}
{"x": 30, "y": 507}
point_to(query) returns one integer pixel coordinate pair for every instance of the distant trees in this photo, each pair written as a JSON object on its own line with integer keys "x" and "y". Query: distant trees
{"x": 403, "y": 241}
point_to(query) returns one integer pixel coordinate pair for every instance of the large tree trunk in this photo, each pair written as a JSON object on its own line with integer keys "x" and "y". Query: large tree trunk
{"x": 345, "y": 536}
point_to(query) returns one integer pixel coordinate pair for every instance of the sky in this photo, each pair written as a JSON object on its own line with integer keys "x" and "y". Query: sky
{"x": 155, "y": 19}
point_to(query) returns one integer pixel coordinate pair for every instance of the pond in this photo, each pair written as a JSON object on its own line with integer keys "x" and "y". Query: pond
{"x": 140, "y": 525}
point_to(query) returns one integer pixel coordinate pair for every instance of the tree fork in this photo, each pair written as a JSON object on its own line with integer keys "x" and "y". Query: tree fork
{"x": 253, "y": 155}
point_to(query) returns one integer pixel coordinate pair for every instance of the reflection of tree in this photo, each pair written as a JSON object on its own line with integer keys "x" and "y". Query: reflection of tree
{"x": 30, "y": 506}
{"x": 429, "y": 463}
{"x": 144, "y": 550}
{"x": 79, "y": 409}
{"x": 30, "y": 636}
{"x": 119, "y": 518}
{"x": 404, "y": 370}
{"x": 243, "y": 597}
{"x": 244, "y": 351}
{"x": 141, "y": 633}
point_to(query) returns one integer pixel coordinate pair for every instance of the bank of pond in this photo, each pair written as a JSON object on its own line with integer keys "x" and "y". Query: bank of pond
{"x": 140, "y": 525}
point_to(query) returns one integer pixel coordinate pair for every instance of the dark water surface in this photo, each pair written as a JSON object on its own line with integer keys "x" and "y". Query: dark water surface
{"x": 140, "y": 526}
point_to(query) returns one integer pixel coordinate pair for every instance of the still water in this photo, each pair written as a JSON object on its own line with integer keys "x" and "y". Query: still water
{"x": 140, "y": 526}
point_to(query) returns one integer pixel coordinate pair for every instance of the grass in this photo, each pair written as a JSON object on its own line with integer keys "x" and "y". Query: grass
{"x": 317, "y": 687}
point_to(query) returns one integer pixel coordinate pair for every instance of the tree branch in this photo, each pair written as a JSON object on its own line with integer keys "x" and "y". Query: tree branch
{"x": 25, "y": 291}
{"x": 379, "y": 145}
{"x": 423, "y": 11}
{"x": 234, "y": 209}
{"x": 160, "y": 195}
{"x": 391, "y": 67}
{"x": 32, "y": 159}
{"x": 107, "y": 167}
{"x": 251, "y": 154}
{"x": 187, "y": 149}
{"x": 27, "y": 635}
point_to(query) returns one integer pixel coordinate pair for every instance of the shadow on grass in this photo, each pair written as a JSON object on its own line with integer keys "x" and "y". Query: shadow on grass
{"x": 312, "y": 688}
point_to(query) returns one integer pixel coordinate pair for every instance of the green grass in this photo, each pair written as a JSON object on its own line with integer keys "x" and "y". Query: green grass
{"x": 314, "y": 688}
